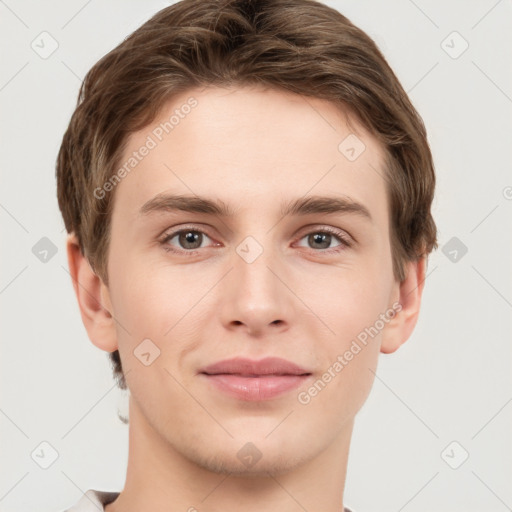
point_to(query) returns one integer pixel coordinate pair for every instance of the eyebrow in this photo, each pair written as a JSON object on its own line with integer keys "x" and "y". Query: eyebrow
{"x": 301, "y": 206}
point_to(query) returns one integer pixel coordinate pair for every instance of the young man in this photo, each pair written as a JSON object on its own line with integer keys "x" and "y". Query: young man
{"x": 247, "y": 192}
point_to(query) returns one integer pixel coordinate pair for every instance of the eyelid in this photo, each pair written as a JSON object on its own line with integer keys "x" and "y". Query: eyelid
{"x": 346, "y": 240}
{"x": 170, "y": 233}
{"x": 341, "y": 233}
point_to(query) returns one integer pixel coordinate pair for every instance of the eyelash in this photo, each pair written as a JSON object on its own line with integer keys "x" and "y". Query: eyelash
{"x": 345, "y": 242}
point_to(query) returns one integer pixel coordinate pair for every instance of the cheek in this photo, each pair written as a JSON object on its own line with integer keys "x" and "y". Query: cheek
{"x": 137, "y": 297}
{"x": 350, "y": 354}
{"x": 352, "y": 299}
{"x": 352, "y": 307}
{"x": 157, "y": 300}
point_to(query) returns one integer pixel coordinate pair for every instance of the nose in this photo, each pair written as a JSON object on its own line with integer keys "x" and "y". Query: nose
{"x": 255, "y": 298}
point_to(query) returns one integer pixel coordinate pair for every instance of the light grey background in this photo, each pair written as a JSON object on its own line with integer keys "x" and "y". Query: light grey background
{"x": 450, "y": 382}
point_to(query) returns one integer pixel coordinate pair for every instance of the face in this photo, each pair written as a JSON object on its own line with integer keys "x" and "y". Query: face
{"x": 192, "y": 286}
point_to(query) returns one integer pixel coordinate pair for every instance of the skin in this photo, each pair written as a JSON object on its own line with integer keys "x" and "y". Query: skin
{"x": 252, "y": 148}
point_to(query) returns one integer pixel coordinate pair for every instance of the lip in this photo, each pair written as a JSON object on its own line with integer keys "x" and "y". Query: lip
{"x": 250, "y": 367}
{"x": 251, "y": 380}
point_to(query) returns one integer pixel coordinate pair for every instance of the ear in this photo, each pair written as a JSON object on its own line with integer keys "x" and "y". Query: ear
{"x": 408, "y": 295}
{"x": 93, "y": 298}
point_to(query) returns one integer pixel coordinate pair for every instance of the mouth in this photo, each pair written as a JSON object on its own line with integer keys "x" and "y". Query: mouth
{"x": 254, "y": 387}
{"x": 275, "y": 366}
{"x": 251, "y": 380}
{"x": 259, "y": 375}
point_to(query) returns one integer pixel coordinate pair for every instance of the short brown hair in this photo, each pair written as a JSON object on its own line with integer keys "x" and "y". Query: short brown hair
{"x": 301, "y": 46}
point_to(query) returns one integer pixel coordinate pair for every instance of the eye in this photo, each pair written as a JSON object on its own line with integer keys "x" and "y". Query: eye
{"x": 189, "y": 240}
{"x": 322, "y": 238}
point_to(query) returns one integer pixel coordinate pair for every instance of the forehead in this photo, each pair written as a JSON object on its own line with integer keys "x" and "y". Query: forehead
{"x": 242, "y": 144}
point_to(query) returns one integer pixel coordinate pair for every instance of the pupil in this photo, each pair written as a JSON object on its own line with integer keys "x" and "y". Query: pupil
{"x": 190, "y": 237}
{"x": 321, "y": 238}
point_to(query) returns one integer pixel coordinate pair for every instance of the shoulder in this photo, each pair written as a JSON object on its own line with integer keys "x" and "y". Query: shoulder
{"x": 93, "y": 500}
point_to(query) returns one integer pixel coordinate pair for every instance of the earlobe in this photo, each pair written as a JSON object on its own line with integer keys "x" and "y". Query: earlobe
{"x": 93, "y": 298}
{"x": 400, "y": 328}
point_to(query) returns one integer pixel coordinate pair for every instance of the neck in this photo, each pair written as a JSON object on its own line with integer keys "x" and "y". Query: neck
{"x": 160, "y": 477}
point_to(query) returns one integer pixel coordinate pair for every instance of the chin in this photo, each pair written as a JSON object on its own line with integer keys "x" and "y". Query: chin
{"x": 273, "y": 464}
